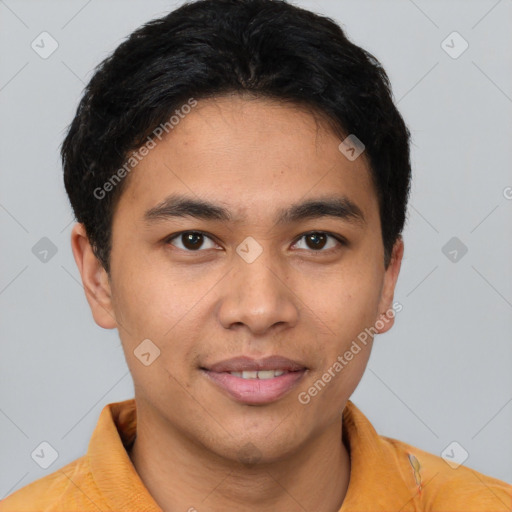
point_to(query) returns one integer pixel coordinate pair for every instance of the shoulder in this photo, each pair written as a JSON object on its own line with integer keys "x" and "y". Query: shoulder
{"x": 443, "y": 486}
{"x": 68, "y": 488}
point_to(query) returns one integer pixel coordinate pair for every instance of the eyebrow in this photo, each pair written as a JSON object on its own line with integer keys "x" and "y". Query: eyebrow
{"x": 177, "y": 206}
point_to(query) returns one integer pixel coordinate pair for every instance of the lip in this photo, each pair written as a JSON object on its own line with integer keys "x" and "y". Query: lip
{"x": 255, "y": 391}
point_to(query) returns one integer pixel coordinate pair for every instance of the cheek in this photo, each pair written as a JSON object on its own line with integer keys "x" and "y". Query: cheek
{"x": 151, "y": 300}
{"x": 345, "y": 304}
{"x": 162, "y": 307}
{"x": 344, "y": 310}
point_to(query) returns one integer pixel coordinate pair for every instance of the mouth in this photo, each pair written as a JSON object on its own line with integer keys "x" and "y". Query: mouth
{"x": 255, "y": 381}
{"x": 262, "y": 374}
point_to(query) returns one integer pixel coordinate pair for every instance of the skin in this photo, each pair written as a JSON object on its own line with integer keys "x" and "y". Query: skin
{"x": 209, "y": 304}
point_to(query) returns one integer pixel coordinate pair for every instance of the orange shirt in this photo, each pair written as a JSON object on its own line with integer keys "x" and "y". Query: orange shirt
{"x": 386, "y": 475}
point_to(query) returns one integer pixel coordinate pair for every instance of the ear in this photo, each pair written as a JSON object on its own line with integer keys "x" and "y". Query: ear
{"x": 94, "y": 278}
{"x": 388, "y": 289}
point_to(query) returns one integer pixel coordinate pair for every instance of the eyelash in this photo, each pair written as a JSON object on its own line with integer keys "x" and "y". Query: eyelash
{"x": 338, "y": 238}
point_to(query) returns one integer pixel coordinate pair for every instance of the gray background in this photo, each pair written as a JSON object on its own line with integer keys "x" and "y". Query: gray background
{"x": 443, "y": 373}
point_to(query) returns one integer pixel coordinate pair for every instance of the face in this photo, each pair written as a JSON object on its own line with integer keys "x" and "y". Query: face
{"x": 244, "y": 280}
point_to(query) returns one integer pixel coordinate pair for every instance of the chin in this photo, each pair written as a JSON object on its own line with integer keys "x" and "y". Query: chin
{"x": 257, "y": 448}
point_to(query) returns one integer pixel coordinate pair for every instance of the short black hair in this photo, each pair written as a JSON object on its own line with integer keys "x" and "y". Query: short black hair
{"x": 210, "y": 48}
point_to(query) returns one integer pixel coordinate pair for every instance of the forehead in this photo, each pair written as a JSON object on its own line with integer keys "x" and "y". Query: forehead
{"x": 249, "y": 155}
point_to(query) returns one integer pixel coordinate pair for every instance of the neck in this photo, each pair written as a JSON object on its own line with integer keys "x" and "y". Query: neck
{"x": 316, "y": 477}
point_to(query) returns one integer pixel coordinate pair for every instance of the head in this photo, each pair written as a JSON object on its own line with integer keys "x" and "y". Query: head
{"x": 188, "y": 164}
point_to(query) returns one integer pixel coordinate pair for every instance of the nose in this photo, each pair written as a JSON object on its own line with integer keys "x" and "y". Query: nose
{"x": 259, "y": 295}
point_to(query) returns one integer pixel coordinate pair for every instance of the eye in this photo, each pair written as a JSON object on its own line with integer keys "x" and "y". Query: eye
{"x": 317, "y": 240}
{"x": 190, "y": 240}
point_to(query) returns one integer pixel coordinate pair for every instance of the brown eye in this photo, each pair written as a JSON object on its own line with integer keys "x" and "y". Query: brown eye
{"x": 318, "y": 240}
{"x": 190, "y": 240}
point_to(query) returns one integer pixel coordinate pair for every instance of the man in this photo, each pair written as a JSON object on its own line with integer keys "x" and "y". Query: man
{"x": 240, "y": 178}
